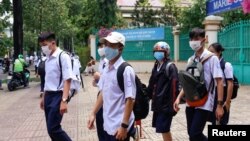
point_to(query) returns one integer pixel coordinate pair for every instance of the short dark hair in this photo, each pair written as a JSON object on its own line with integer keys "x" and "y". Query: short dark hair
{"x": 217, "y": 47}
{"x": 47, "y": 36}
{"x": 197, "y": 32}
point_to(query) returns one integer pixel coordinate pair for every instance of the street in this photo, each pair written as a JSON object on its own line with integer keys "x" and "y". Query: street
{"x": 22, "y": 120}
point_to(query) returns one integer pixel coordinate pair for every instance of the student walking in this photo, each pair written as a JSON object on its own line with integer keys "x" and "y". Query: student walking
{"x": 117, "y": 105}
{"x": 163, "y": 90}
{"x": 197, "y": 116}
{"x": 57, "y": 85}
{"x": 217, "y": 49}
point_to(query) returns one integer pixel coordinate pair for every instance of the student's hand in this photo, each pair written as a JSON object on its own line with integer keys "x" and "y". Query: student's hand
{"x": 176, "y": 105}
{"x": 42, "y": 103}
{"x": 63, "y": 107}
{"x": 121, "y": 133}
{"x": 227, "y": 105}
{"x": 219, "y": 112}
{"x": 91, "y": 122}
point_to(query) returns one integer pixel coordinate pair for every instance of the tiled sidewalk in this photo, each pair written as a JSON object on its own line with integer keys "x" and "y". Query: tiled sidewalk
{"x": 22, "y": 120}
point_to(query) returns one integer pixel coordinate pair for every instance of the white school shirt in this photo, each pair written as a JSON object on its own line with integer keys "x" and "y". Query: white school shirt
{"x": 52, "y": 70}
{"x": 228, "y": 71}
{"x": 211, "y": 68}
{"x": 114, "y": 98}
{"x": 102, "y": 63}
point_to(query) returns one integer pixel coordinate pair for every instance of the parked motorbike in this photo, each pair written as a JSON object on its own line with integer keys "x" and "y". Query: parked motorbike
{"x": 17, "y": 81}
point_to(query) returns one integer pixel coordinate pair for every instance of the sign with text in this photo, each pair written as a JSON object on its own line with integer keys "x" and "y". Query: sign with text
{"x": 143, "y": 34}
{"x": 219, "y": 6}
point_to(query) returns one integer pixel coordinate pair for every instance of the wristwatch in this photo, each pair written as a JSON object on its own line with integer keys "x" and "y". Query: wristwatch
{"x": 219, "y": 102}
{"x": 123, "y": 125}
{"x": 64, "y": 100}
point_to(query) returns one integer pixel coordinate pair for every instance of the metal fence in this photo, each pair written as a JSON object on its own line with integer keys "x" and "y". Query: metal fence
{"x": 235, "y": 40}
{"x": 185, "y": 50}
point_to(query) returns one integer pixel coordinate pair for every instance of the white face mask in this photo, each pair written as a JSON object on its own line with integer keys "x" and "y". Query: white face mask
{"x": 46, "y": 50}
{"x": 195, "y": 45}
{"x": 101, "y": 52}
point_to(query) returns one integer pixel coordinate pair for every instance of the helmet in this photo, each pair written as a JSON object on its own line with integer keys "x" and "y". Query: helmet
{"x": 20, "y": 56}
{"x": 162, "y": 46}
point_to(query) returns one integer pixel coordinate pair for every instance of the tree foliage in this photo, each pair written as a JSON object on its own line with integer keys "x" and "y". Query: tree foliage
{"x": 193, "y": 16}
{"x": 234, "y": 16}
{"x": 146, "y": 15}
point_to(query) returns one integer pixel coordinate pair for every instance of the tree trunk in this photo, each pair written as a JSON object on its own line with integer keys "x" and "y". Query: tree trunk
{"x": 17, "y": 28}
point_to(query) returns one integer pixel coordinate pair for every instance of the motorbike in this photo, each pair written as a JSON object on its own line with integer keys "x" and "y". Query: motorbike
{"x": 17, "y": 81}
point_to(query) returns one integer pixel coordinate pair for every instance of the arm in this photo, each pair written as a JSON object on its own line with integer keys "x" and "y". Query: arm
{"x": 219, "y": 109}
{"x": 96, "y": 108}
{"x": 177, "y": 101}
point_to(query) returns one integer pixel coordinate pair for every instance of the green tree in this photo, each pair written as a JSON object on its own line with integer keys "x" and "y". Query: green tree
{"x": 143, "y": 14}
{"x": 193, "y": 16}
{"x": 234, "y": 16}
{"x": 169, "y": 13}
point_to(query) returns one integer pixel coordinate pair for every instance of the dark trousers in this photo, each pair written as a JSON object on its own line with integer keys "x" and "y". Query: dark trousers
{"x": 53, "y": 117}
{"x": 131, "y": 133}
{"x": 225, "y": 118}
{"x": 196, "y": 121}
{"x": 42, "y": 78}
{"x": 99, "y": 125}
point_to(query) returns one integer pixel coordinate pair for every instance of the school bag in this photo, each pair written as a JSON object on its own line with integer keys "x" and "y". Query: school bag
{"x": 193, "y": 82}
{"x": 235, "y": 82}
{"x": 75, "y": 82}
{"x": 41, "y": 67}
{"x": 141, "y": 106}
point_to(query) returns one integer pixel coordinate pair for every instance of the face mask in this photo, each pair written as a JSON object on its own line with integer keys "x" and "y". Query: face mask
{"x": 195, "y": 45}
{"x": 111, "y": 53}
{"x": 46, "y": 50}
{"x": 159, "y": 56}
{"x": 101, "y": 52}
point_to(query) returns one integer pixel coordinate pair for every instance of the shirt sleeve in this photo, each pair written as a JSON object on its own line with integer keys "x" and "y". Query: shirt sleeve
{"x": 66, "y": 67}
{"x": 228, "y": 71}
{"x": 216, "y": 69}
{"x": 129, "y": 82}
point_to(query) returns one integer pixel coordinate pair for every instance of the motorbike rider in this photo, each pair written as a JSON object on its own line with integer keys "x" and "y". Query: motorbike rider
{"x": 19, "y": 66}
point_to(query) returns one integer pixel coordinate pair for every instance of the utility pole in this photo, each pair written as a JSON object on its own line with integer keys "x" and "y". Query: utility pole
{"x": 17, "y": 28}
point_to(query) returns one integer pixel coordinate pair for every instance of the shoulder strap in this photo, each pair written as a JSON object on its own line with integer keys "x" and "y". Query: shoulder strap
{"x": 60, "y": 67}
{"x": 222, "y": 66}
{"x": 206, "y": 57}
{"x": 72, "y": 62}
{"x": 167, "y": 68}
{"x": 119, "y": 74}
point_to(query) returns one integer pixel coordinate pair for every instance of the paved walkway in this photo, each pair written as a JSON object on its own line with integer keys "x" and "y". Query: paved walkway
{"x": 22, "y": 120}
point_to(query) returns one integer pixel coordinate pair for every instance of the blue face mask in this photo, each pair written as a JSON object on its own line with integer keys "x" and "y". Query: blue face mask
{"x": 111, "y": 53}
{"x": 159, "y": 56}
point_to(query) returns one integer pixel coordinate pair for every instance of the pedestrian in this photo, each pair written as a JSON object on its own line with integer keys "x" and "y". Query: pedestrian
{"x": 217, "y": 49}
{"x": 57, "y": 86}
{"x": 41, "y": 70}
{"x": 196, "y": 117}
{"x": 36, "y": 59}
{"x": 117, "y": 105}
{"x": 97, "y": 75}
{"x": 163, "y": 90}
{"x": 1, "y": 87}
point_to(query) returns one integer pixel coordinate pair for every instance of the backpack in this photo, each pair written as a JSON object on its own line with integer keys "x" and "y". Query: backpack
{"x": 141, "y": 106}
{"x": 235, "y": 82}
{"x": 41, "y": 67}
{"x": 193, "y": 83}
{"x": 75, "y": 82}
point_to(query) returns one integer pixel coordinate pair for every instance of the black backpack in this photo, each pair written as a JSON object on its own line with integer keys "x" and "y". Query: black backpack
{"x": 141, "y": 106}
{"x": 235, "y": 82}
{"x": 41, "y": 67}
{"x": 193, "y": 82}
